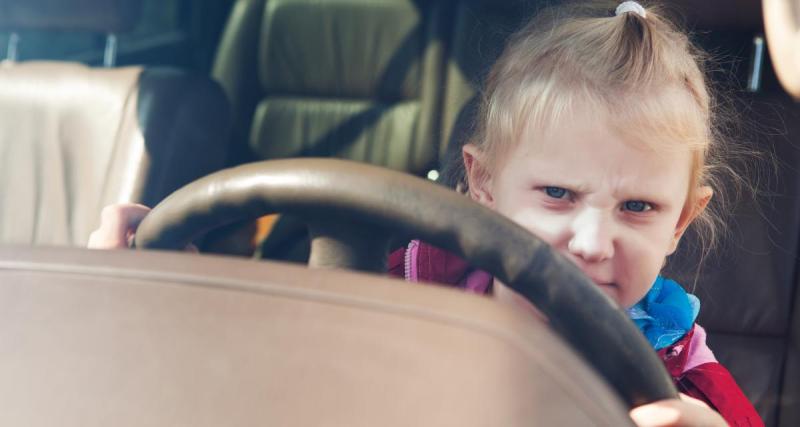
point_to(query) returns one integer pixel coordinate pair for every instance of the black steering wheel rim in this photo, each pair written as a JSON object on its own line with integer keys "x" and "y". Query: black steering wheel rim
{"x": 352, "y": 210}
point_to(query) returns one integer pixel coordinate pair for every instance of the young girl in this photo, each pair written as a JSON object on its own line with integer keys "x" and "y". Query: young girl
{"x": 595, "y": 133}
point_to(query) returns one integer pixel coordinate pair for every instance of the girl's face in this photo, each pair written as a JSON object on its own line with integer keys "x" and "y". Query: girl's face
{"x": 615, "y": 208}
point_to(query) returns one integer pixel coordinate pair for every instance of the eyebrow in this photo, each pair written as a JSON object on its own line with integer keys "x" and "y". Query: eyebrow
{"x": 561, "y": 183}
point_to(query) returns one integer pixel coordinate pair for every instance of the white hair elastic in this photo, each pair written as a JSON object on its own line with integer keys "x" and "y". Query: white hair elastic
{"x": 631, "y": 6}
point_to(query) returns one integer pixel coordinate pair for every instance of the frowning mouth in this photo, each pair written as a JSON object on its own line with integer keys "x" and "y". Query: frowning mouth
{"x": 609, "y": 288}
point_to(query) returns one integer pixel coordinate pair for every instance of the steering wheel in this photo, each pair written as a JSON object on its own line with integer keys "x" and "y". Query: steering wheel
{"x": 353, "y": 210}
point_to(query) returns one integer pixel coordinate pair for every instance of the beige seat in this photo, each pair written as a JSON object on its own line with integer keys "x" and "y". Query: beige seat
{"x": 74, "y": 139}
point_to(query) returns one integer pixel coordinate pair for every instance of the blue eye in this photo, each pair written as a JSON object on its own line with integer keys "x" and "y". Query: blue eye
{"x": 637, "y": 206}
{"x": 555, "y": 192}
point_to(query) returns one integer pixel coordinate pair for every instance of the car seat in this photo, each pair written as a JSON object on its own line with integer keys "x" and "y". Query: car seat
{"x": 359, "y": 80}
{"x": 74, "y": 139}
{"x": 748, "y": 285}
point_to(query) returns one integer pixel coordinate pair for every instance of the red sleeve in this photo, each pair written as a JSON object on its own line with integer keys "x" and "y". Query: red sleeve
{"x": 713, "y": 384}
{"x": 705, "y": 379}
{"x": 396, "y": 265}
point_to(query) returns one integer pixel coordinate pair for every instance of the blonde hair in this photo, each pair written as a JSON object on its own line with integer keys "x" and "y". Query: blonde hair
{"x": 644, "y": 73}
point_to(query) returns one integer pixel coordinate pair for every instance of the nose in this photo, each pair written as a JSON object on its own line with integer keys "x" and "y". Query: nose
{"x": 592, "y": 237}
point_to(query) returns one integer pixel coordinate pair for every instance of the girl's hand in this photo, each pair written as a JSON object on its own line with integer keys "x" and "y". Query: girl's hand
{"x": 118, "y": 224}
{"x": 684, "y": 412}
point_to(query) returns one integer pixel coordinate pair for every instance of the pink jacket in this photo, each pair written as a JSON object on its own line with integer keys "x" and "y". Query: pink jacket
{"x": 689, "y": 361}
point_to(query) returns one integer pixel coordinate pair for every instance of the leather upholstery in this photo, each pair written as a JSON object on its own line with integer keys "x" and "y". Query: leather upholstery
{"x": 236, "y": 70}
{"x": 102, "y": 16}
{"x": 359, "y": 80}
{"x": 209, "y": 341}
{"x": 480, "y": 29}
{"x": 742, "y": 15}
{"x": 749, "y": 286}
{"x": 350, "y": 79}
{"x": 75, "y": 139}
{"x": 789, "y": 399}
{"x": 345, "y": 79}
{"x": 186, "y": 122}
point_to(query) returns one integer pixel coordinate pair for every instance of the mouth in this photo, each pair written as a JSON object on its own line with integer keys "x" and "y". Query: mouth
{"x": 609, "y": 288}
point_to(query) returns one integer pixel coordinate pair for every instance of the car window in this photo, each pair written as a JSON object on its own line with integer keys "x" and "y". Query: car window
{"x": 162, "y": 22}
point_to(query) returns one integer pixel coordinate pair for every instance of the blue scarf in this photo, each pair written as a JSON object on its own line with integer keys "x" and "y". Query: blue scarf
{"x": 666, "y": 313}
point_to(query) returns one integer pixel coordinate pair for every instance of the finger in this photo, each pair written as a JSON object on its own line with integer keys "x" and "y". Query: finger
{"x": 117, "y": 222}
{"x": 688, "y": 412}
{"x": 659, "y": 414}
{"x": 123, "y": 217}
{"x": 691, "y": 400}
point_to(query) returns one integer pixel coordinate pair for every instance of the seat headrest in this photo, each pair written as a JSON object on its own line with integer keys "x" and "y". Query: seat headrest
{"x": 738, "y": 15}
{"x": 342, "y": 48}
{"x": 103, "y": 16}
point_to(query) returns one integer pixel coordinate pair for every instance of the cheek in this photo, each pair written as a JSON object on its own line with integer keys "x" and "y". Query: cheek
{"x": 518, "y": 205}
{"x": 547, "y": 226}
{"x": 662, "y": 237}
{"x": 639, "y": 259}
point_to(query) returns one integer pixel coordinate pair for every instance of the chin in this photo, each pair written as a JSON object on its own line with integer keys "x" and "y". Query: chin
{"x": 612, "y": 290}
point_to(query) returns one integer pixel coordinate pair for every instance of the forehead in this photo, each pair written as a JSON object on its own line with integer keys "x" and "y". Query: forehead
{"x": 663, "y": 117}
{"x": 586, "y": 149}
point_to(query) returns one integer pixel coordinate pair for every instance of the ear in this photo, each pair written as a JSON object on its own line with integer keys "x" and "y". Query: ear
{"x": 690, "y": 212}
{"x": 478, "y": 176}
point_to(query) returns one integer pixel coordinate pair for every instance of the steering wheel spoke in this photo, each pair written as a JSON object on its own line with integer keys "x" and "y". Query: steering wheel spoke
{"x": 342, "y": 243}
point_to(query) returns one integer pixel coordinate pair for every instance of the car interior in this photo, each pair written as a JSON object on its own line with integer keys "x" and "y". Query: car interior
{"x": 164, "y": 337}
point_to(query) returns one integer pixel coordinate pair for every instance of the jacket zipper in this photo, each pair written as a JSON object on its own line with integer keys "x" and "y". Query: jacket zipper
{"x": 409, "y": 258}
